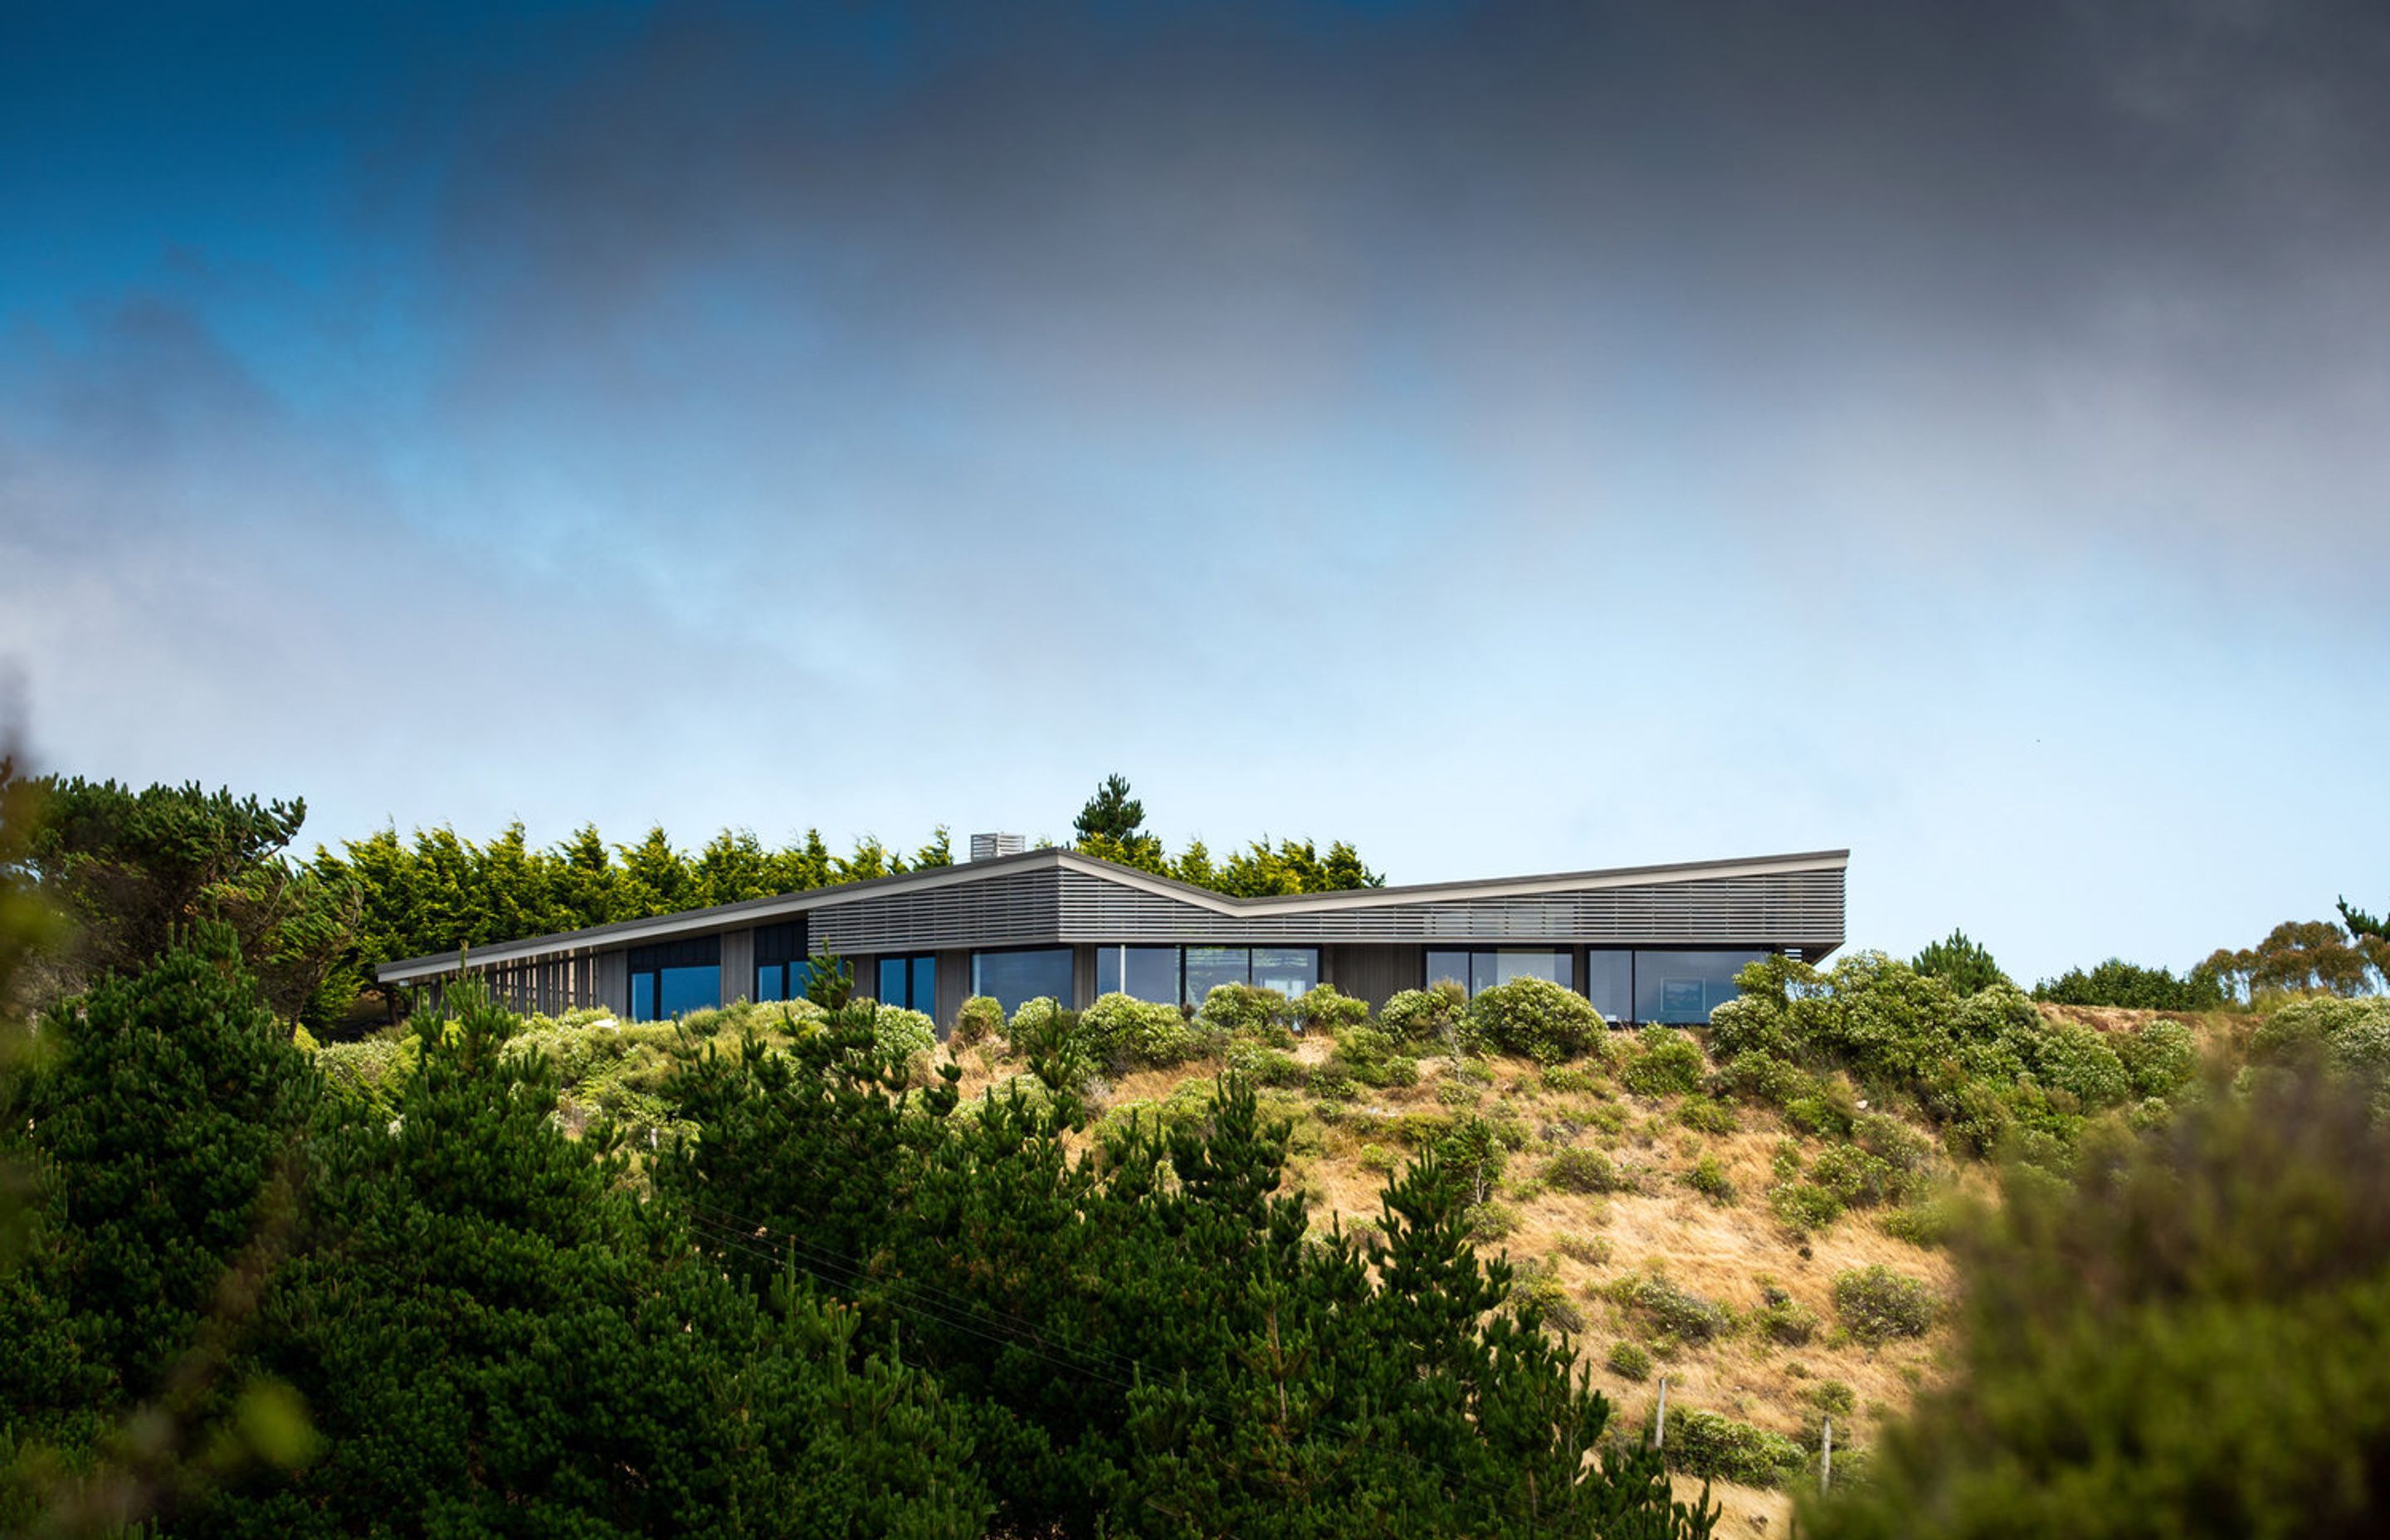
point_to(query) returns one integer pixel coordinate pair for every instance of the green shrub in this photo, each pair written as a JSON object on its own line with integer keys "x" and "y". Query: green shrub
{"x": 1037, "y": 1026}
{"x": 1540, "y": 1299}
{"x": 2159, "y": 1058}
{"x": 1832, "y": 1397}
{"x": 1582, "y": 1171}
{"x": 979, "y": 1020}
{"x": 1370, "y": 1057}
{"x": 1546, "y": 1021}
{"x": 1927, "y": 1223}
{"x": 1785, "y": 1320}
{"x": 2076, "y": 1059}
{"x": 1243, "y": 1007}
{"x": 1720, "y": 1449}
{"x": 1877, "y": 1305}
{"x": 1125, "y": 1031}
{"x": 905, "y": 1037}
{"x": 1830, "y": 1109}
{"x": 1708, "y": 1177}
{"x": 1671, "y": 1309}
{"x": 1707, "y": 1116}
{"x": 1376, "y": 1159}
{"x": 1749, "y": 1024}
{"x": 1670, "y": 1063}
{"x": 1569, "y": 1079}
{"x": 1594, "y": 1251}
{"x": 1856, "y": 1178}
{"x": 1629, "y": 1359}
{"x": 1264, "y": 1065}
{"x": 1904, "y": 1151}
{"x": 369, "y": 1075}
{"x": 1490, "y": 1221}
{"x": 1322, "y": 1009}
{"x": 1431, "y": 1015}
{"x": 1966, "y": 966}
{"x": 2118, "y": 983}
{"x": 1804, "y": 1206}
{"x": 1757, "y": 1077}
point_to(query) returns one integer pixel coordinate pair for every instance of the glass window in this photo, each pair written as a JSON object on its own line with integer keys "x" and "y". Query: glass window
{"x": 643, "y": 996}
{"x": 1287, "y": 969}
{"x": 924, "y": 997}
{"x": 1140, "y": 972}
{"x": 801, "y": 976}
{"x": 910, "y": 982}
{"x": 1489, "y": 968}
{"x": 1210, "y": 967}
{"x": 1610, "y": 982}
{"x": 1451, "y": 966}
{"x": 1108, "y": 970}
{"x": 1012, "y": 978}
{"x": 1680, "y": 989}
{"x": 892, "y": 981}
{"x": 682, "y": 990}
{"x": 771, "y": 982}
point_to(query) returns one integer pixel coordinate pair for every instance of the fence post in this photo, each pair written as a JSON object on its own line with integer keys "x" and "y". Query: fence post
{"x": 1660, "y": 1423}
{"x": 1826, "y": 1459}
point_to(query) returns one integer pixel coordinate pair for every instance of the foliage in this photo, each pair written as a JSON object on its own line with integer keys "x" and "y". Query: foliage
{"x": 1964, "y": 965}
{"x": 1125, "y": 1032}
{"x": 905, "y": 1037}
{"x": 1669, "y": 1307}
{"x": 2306, "y": 957}
{"x": 2159, "y": 1058}
{"x": 2348, "y": 1039}
{"x": 135, "y": 870}
{"x": 1630, "y": 1358}
{"x": 1582, "y": 1171}
{"x": 1718, "y": 1448}
{"x": 1242, "y": 1007}
{"x": 1783, "y": 1319}
{"x": 1322, "y": 1009}
{"x": 979, "y": 1020}
{"x": 2118, "y": 983}
{"x": 1877, "y": 1305}
{"x": 1707, "y": 1116}
{"x": 1546, "y": 1021}
{"x": 1670, "y": 1063}
{"x": 1429, "y": 1015}
{"x": 1369, "y": 1055}
{"x": 829, "y": 979}
{"x": 1804, "y": 1206}
{"x": 2176, "y": 1344}
{"x": 1111, "y": 814}
{"x": 1708, "y": 1177}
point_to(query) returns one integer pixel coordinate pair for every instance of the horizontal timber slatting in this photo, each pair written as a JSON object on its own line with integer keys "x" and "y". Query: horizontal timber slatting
{"x": 545, "y": 986}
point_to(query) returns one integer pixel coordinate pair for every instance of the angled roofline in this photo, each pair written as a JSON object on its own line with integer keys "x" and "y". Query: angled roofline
{"x": 776, "y": 906}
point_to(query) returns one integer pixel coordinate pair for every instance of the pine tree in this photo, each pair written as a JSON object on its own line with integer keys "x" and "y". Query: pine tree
{"x": 1111, "y": 814}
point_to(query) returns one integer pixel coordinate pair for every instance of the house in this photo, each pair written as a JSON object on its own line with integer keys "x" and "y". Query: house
{"x": 1645, "y": 943}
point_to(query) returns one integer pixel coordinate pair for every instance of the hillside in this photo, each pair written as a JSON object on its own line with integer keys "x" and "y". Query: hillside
{"x": 1677, "y": 1216}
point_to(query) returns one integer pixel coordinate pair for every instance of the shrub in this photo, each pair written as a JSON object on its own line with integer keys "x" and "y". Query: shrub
{"x": 1757, "y": 1077}
{"x": 1490, "y": 1221}
{"x": 981, "y": 1020}
{"x": 1804, "y": 1206}
{"x": 2159, "y": 1058}
{"x": 1718, "y": 1448}
{"x": 1832, "y": 1397}
{"x": 1856, "y": 1178}
{"x": 2118, "y": 983}
{"x": 1671, "y": 1309}
{"x": 1593, "y": 1250}
{"x": 1582, "y": 1171}
{"x": 1749, "y": 1024}
{"x": 1902, "y": 1148}
{"x": 1536, "y": 1293}
{"x": 1242, "y": 1007}
{"x": 1669, "y": 1063}
{"x": 905, "y": 1037}
{"x": 1966, "y": 966}
{"x": 1629, "y": 1359}
{"x": 1546, "y": 1021}
{"x": 1369, "y": 1057}
{"x": 1877, "y": 1305}
{"x": 1376, "y": 1159}
{"x": 1429, "y": 1015}
{"x": 1264, "y": 1065}
{"x": 1123, "y": 1032}
{"x": 1324, "y": 1009}
{"x": 1708, "y": 1116}
{"x": 369, "y": 1074}
{"x": 1785, "y": 1320}
{"x": 1830, "y": 1109}
{"x": 1708, "y": 1177}
{"x": 1568, "y": 1079}
{"x": 2076, "y": 1059}
{"x": 1037, "y": 1026}
{"x": 1927, "y": 1224}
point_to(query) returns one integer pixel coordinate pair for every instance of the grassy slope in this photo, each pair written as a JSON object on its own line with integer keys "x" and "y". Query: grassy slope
{"x": 1724, "y": 1251}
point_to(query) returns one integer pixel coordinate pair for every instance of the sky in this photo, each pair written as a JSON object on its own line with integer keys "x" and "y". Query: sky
{"x": 1511, "y": 437}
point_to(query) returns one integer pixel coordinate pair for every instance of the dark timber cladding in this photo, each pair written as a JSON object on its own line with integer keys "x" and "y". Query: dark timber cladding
{"x": 1647, "y": 943}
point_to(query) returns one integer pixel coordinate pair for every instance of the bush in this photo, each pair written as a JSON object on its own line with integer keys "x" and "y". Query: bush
{"x": 1038, "y": 1026}
{"x": 2118, "y": 983}
{"x": 981, "y": 1020}
{"x": 1490, "y": 1221}
{"x": 1856, "y": 1178}
{"x": 904, "y": 1037}
{"x": 1264, "y": 1065}
{"x": 1928, "y": 1224}
{"x": 1804, "y": 1206}
{"x": 1324, "y": 1009}
{"x": 1243, "y": 1007}
{"x": 1906, "y": 1151}
{"x": 1966, "y": 966}
{"x": 1877, "y": 1305}
{"x": 1785, "y": 1320}
{"x": 1749, "y": 1024}
{"x": 1568, "y": 1079}
{"x": 1546, "y": 1021}
{"x": 1669, "y": 1064}
{"x": 1630, "y": 1359}
{"x": 1429, "y": 1015}
{"x": 1720, "y": 1449}
{"x": 1540, "y": 1300}
{"x": 1709, "y": 1117}
{"x": 1708, "y": 1177}
{"x": 1125, "y": 1032}
{"x": 1582, "y": 1171}
{"x": 1757, "y": 1077}
{"x": 1671, "y": 1309}
{"x": 1368, "y": 1055}
{"x": 1593, "y": 1250}
{"x": 2159, "y": 1058}
{"x": 1832, "y": 1397}
{"x": 2076, "y": 1059}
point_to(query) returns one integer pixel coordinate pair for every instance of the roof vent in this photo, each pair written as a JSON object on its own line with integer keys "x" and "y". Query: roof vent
{"x": 987, "y": 847}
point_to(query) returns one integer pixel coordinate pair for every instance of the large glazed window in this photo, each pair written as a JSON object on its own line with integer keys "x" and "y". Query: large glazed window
{"x": 1140, "y": 972}
{"x": 911, "y": 983}
{"x": 1011, "y": 978}
{"x": 1680, "y": 989}
{"x": 781, "y": 971}
{"x": 1289, "y": 969}
{"x": 1482, "y": 970}
{"x": 1610, "y": 982}
{"x": 676, "y": 977}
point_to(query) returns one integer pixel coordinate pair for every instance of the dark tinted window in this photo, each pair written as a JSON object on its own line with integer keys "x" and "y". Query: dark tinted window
{"x": 1011, "y": 978}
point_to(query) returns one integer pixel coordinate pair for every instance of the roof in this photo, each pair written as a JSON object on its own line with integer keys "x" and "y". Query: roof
{"x": 758, "y": 911}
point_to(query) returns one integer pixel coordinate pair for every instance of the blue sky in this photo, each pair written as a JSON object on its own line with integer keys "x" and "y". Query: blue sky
{"x": 1511, "y": 437}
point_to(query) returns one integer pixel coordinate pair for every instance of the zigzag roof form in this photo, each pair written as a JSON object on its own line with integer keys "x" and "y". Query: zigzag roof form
{"x": 1060, "y": 896}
